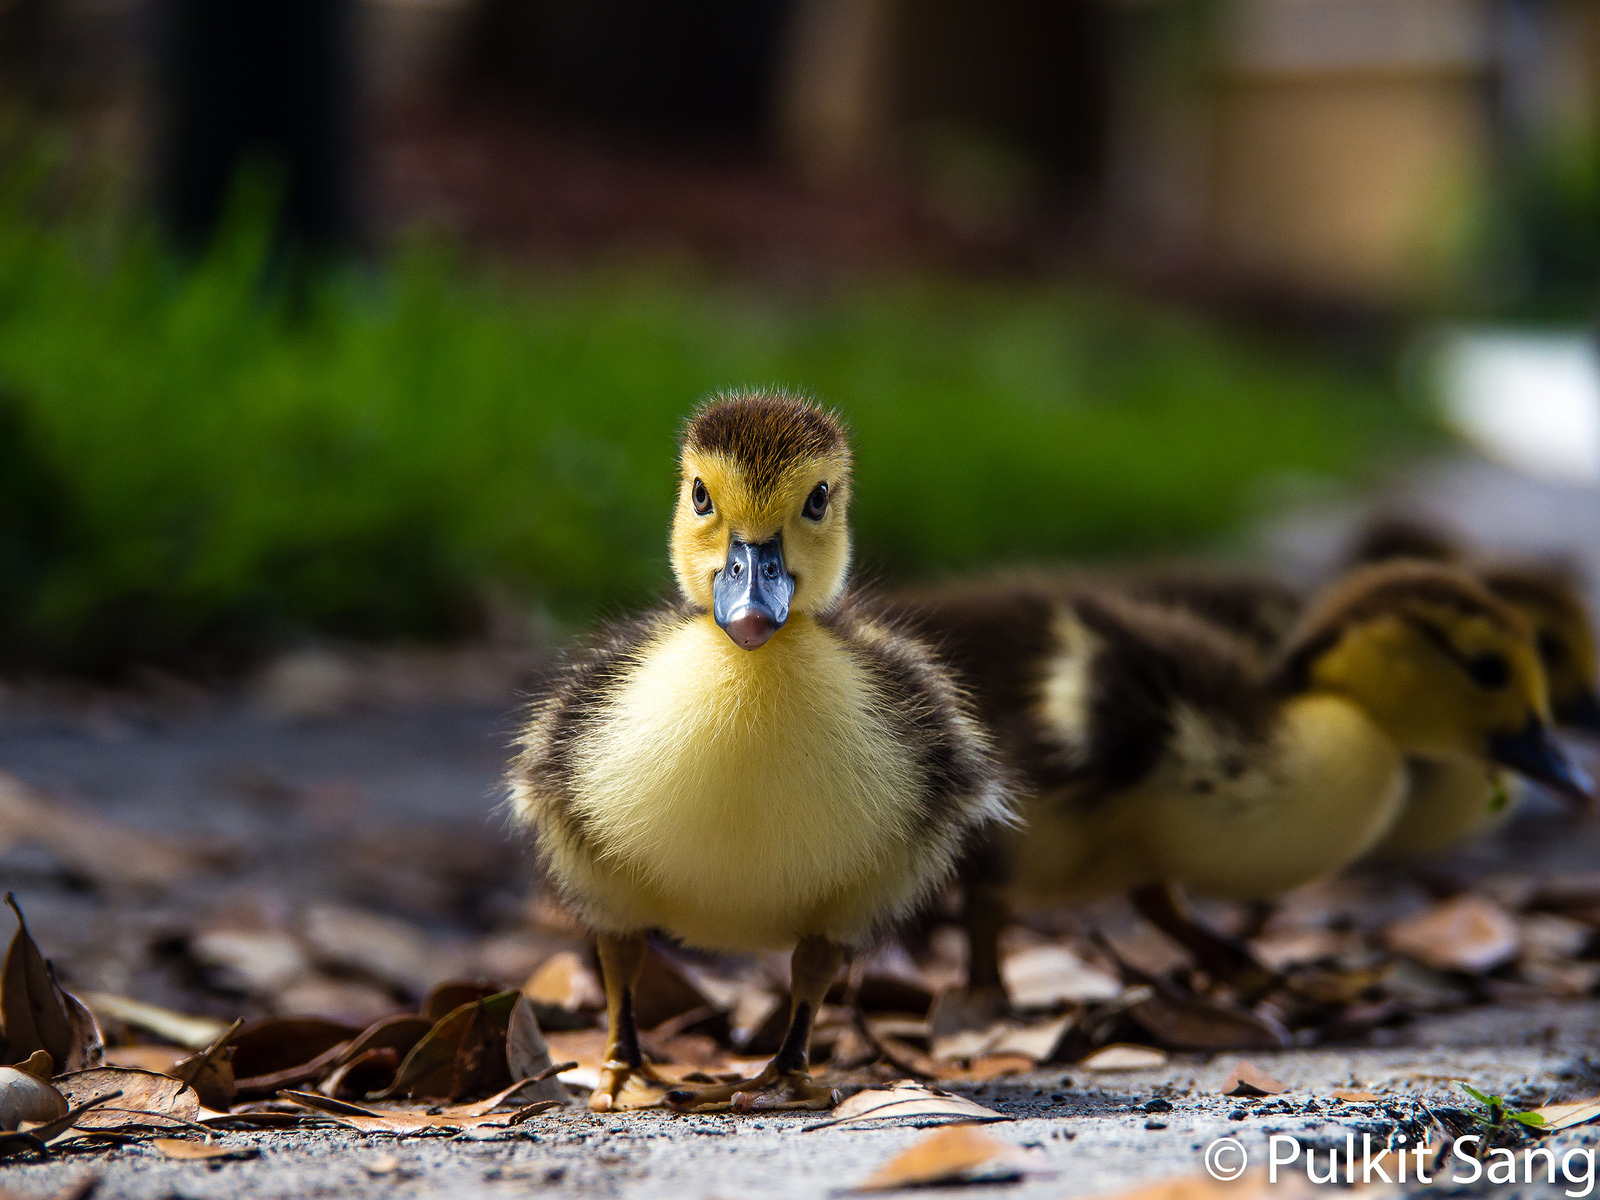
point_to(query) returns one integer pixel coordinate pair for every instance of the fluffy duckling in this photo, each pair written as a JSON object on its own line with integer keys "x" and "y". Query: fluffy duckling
{"x": 761, "y": 764}
{"x": 1156, "y": 751}
{"x": 1451, "y": 799}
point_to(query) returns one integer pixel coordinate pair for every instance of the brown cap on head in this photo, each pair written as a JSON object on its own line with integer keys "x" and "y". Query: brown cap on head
{"x": 764, "y": 432}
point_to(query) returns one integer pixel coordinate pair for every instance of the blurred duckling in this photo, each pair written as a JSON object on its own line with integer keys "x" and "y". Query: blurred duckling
{"x": 1453, "y": 799}
{"x": 1157, "y": 752}
{"x": 760, "y": 764}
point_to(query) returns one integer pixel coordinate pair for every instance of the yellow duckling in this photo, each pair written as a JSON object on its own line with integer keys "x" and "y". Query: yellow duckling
{"x": 1449, "y": 799}
{"x": 1156, "y": 752}
{"x": 1452, "y": 799}
{"x": 760, "y": 764}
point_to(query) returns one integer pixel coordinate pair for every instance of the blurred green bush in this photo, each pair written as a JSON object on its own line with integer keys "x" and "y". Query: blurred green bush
{"x": 193, "y": 463}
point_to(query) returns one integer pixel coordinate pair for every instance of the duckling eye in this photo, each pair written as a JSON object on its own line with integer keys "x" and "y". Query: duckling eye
{"x": 1488, "y": 670}
{"x": 816, "y": 503}
{"x": 1552, "y": 650}
{"x": 701, "y": 498}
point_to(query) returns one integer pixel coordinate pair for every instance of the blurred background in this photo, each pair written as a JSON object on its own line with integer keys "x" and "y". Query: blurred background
{"x": 343, "y": 345}
{"x": 374, "y": 319}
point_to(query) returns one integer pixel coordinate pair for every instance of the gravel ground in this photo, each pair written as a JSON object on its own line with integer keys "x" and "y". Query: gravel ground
{"x": 289, "y": 787}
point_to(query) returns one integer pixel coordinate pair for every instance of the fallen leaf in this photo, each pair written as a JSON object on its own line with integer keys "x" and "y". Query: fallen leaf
{"x": 192, "y": 1033}
{"x": 278, "y": 1052}
{"x": 184, "y": 1151}
{"x": 210, "y": 1071}
{"x": 147, "y": 1098}
{"x": 40, "y": 1065}
{"x": 1123, "y": 1056}
{"x": 907, "y": 1100}
{"x": 88, "y": 1043}
{"x": 407, "y": 1120}
{"x": 25, "y": 1097}
{"x": 1354, "y": 1097}
{"x": 32, "y": 1007}
{"x": 1247, "y": 1079}
{"x": 1195, "y": 1023}
{"x": 564, "y": 980}
{"x": 1565, "y": 1116}
{"x": 1045, "y": 976}
{"x": 85, "y": 843}
{"x": 528, "y": 1054}
{"x": 463, "y": 1054}
{"x": 958, "y": 1154}
{"x": 446, "y": 997}
{"x": 384, "y": 1164}
{"x": 1467, "y": 933}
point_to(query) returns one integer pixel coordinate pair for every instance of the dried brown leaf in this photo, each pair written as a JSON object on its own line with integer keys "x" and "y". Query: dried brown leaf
{"x": 26, "y": 1097}
{"x": 445, "y": 998}
{"x": 31, "y": 1004}
{"x": 184, "y": 1151}
{"x": 528, "y": 1054}
{"x": 408, "y": 1120}
{"x": 1466, "y": 933}
{"x": 908, "y": 1101}
{"x": 1045, "y": 976}
{"x": 147, "y": 1098}
{"x": 1350, "y": 1096}
{"x": 210, "y": 1071}
{"x": 1247, "y": 1079}
{"x": 955, "y": 1155}
{"x": 277, "y": 1052}
{"x": 463, "y": 1054}
{"x": 88, "y": 1043}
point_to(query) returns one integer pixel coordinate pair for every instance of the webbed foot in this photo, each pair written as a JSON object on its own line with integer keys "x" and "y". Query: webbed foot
{"x": 771, "y": 1091}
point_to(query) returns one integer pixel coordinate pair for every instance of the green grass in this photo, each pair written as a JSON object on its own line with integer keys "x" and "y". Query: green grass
{"x": 186, "y": 463}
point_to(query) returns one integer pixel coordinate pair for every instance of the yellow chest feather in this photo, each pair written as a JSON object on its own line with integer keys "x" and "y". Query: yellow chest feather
{"x": 732, "y": 795}
{"x": 1240, "y": 820}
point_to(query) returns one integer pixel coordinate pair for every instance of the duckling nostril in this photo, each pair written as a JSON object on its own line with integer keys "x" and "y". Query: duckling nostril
{"x": 770, "y": 570}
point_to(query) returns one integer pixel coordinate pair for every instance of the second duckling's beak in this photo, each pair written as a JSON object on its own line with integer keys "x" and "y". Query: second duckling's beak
{"x": 750, "y": 598}
{"x": 1580, "y": 712}
{"x": 1532, "y": 752}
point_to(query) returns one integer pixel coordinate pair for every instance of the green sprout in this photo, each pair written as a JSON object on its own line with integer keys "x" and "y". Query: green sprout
{"x": 1496, "y": 1112}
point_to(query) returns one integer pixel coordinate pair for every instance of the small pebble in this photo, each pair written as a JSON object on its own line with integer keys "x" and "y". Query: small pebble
{"x": 1238, "y": 1114}
{"x": 1158, "y": 1105}
{"x": 1155, "y": 1124}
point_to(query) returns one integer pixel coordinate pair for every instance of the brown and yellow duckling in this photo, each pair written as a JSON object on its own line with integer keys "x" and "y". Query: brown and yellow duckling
{"x": 1157, "y": 751}
{"x": 760, "y": 764}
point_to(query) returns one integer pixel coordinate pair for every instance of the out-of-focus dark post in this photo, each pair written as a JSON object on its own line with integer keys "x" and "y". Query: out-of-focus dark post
{"x": 242, "y": 81}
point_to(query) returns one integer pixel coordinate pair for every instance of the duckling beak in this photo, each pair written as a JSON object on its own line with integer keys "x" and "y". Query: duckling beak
{"x": 1532, "y": 752}
{"x": 1580, "y": 712}
{"x": 750, "y": 598}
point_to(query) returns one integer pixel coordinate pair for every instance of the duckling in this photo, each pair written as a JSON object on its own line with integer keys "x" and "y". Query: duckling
{"x": 1156, "y": 751}
{"x": 1452, "y": 799}
{"x": 1448, "y": 799}
{"x": 760, "y": 764}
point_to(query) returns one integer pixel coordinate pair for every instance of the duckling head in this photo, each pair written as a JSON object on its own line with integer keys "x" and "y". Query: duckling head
{"x": 1440, "y": 664}
{"x": 761, "y": 526}
{"x": 1551, "y": 602}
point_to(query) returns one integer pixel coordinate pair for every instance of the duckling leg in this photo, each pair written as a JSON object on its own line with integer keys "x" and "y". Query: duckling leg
{"x": 983, "y": 1001}
{"x": 1221, "y": 957}
{"x": 621, "y": 960}
{"x": 786, "y": 1081}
